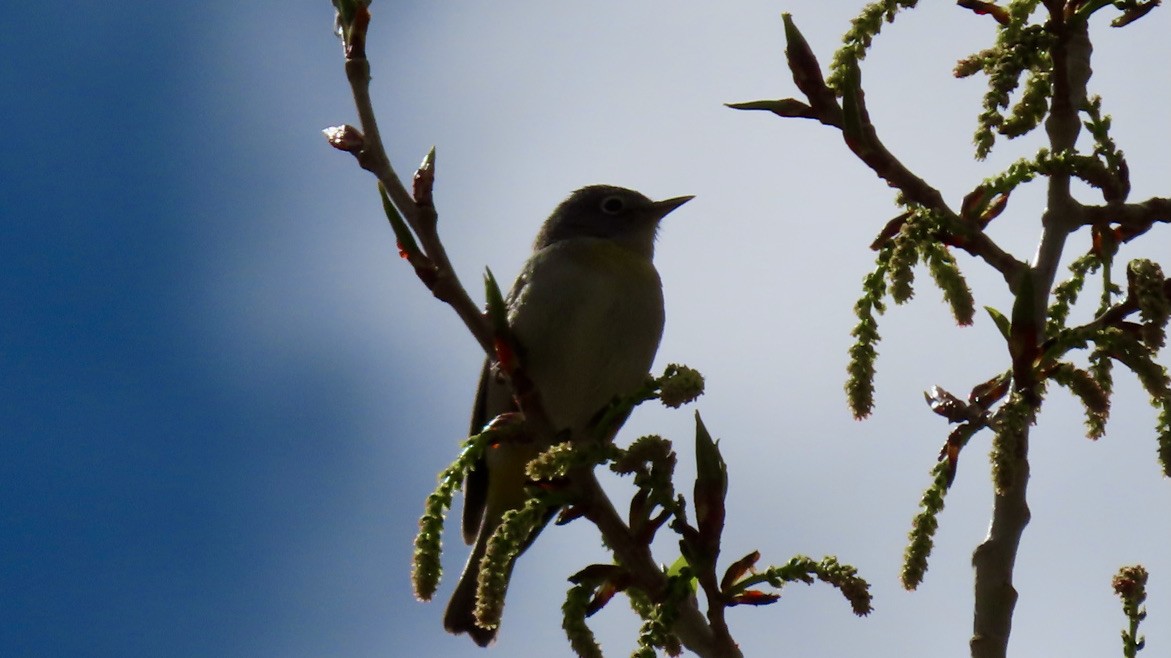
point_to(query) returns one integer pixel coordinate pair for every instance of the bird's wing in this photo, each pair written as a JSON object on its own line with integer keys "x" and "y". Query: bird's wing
{"x": 476, "y": 483}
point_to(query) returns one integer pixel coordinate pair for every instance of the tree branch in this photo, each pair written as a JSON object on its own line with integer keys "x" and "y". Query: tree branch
{"x": 994, "y": 559}
{"x": 1134, "y": 218}
{"x": 418, "y": 208}
{"x": 860, "y": 135}
{"x": 690, "y": 626}
{"x": 435, "y": 270}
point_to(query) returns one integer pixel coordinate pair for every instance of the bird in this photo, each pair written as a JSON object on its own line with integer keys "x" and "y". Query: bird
{"x": 587, "y": 314}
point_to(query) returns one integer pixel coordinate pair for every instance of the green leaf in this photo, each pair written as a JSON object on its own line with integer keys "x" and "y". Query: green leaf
{"x": 854, "y": 117}
{"x": 402, "y": 235}
{"x": 1000, "y": 320}
{"x": 1088, "y": 8}
{"x": 497, "y": 311}
{"x": 680, "y": 568}
{"x": 786, "y": 107}
{"x": 710, "y": 466}
{"x": 711, "y": 488}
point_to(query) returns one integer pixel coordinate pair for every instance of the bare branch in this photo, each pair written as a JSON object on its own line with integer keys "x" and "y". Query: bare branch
{"x": 419, "y": 213}
{"x": 994, "y": 559}
{"x": 1134, "y": 218}
{"x": 435, "y": 270}
{"x": 852, "y": 118}
{"x": 691, "y": 627}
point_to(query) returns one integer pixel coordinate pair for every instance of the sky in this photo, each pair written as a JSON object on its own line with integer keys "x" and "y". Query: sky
{"x": 224, "y": 398}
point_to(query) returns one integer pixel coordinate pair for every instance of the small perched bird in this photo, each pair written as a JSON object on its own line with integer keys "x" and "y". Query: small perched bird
{"x": 587, "y": 313}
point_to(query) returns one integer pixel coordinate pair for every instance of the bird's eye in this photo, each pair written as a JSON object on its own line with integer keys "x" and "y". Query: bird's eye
{"x": 613, "y": 205}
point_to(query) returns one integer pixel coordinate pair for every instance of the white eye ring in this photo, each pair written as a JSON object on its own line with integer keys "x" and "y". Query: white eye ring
{"x": 612, "y": 205}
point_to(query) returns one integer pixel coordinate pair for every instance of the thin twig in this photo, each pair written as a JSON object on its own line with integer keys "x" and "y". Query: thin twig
{"x": 862, "y": 138}
{"x": 372, "y": 157}
{"x": 692, "y": 629}
{"x": 419, "y": 213}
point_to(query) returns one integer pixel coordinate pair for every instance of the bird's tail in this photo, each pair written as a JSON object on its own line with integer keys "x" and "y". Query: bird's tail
{"x": 460, "y": 616}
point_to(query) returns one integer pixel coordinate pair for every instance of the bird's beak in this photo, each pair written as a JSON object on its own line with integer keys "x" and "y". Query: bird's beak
{"x": 664, "y": 207}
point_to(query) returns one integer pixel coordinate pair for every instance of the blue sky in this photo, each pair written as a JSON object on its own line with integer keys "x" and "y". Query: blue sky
{"x": 223, "y": 398}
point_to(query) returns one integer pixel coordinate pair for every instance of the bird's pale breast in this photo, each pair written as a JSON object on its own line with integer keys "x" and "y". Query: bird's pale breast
{"x": 589, "y": 320}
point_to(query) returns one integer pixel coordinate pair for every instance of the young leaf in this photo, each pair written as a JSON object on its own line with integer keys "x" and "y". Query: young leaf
{"x": 1001, "y": 322}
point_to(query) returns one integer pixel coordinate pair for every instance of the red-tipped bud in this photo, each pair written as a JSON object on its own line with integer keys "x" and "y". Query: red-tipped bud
{"x": 754, "y": 597}
{"x": 992, "y": 211}
{"x": 947, "y": 405}
{"x": 891, "y": 229}
{"x": 738, "y": 568}
{"x": 986, "y": 394}
{"x": 345, "y": 138}
{"x": 424, "y": 182}
{"x": 987, "y": 9}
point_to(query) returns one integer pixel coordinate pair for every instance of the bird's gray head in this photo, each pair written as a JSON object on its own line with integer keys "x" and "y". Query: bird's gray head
{"x": 606, "y": 211}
